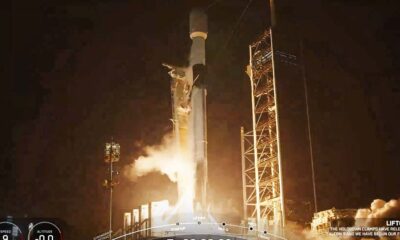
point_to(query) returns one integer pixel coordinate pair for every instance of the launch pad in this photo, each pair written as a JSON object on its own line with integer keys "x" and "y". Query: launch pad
{"x": 262, "y": 181}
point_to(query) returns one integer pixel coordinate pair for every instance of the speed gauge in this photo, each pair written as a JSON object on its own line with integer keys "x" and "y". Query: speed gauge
{"x": 10, "y": 231}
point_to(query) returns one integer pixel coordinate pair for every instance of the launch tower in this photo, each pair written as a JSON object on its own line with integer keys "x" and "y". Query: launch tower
{"x": 263, "y": 198}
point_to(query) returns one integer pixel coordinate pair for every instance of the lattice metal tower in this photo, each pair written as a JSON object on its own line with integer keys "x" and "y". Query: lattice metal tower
{"x": 263, "y": 198}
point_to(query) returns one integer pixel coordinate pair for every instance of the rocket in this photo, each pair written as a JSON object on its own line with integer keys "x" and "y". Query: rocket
{"x": 198, "y": 116}
{"x": 189, "y": 92}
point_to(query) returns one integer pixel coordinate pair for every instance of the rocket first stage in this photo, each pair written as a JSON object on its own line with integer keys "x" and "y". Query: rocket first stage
{"x": 188, "y": 90}
{"x": 198, "y": 34}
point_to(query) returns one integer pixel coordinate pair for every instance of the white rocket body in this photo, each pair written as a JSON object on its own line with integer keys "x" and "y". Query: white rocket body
{"x": 198, "y": 115}
{"x": 189, "y": 112}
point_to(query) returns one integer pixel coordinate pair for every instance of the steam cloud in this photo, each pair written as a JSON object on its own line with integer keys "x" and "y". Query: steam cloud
{"x": 168, "y": 160}
{"x": 375, "y": 216}
{"x": 378, "y": 213}
{"x": 160, "y": 158}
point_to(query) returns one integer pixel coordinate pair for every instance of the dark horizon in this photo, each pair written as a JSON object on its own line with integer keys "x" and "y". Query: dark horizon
{"x": 85, "y": 71}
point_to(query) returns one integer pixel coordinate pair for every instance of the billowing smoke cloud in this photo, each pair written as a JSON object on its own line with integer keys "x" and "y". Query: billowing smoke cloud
{"x": 159, "y": 158}
{"x": 378, "y": 213}
{"x": 168, "y": 160}
{"x": 375, "y": 216}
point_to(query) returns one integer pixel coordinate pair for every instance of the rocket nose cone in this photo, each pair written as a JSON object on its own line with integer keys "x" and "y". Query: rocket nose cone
{"x": 198, "y": 21}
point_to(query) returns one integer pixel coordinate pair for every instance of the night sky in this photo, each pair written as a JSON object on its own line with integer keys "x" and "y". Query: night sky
{"x": 82, "y": 72}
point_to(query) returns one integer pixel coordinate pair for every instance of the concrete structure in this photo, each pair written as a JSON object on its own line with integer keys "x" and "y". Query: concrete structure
{"x": 142, "y": 219}
{"x": 323, "y": 220}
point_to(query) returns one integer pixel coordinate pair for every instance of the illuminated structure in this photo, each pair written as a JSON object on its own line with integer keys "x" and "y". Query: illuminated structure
{"x": 323, "y": 220}
{"x": 263, "y": 197}
{"x": 111, "y": 156}
{"x": 142, "y": 222}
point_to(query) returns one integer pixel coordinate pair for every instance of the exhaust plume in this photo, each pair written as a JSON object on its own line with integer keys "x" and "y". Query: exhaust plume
{"x": 168, "y": 160}
{"x": 160, "y": 158}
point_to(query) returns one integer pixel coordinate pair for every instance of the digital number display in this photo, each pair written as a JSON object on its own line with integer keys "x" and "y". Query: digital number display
{"x": 45, "y": 231}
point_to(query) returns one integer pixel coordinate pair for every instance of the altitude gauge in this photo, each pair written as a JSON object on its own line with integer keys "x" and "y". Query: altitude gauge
{"x": 44, "y": 231}
{"x": 10, "y": 231}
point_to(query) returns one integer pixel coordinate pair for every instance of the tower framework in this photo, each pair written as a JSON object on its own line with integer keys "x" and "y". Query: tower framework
{"x": 263, "y": 198}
